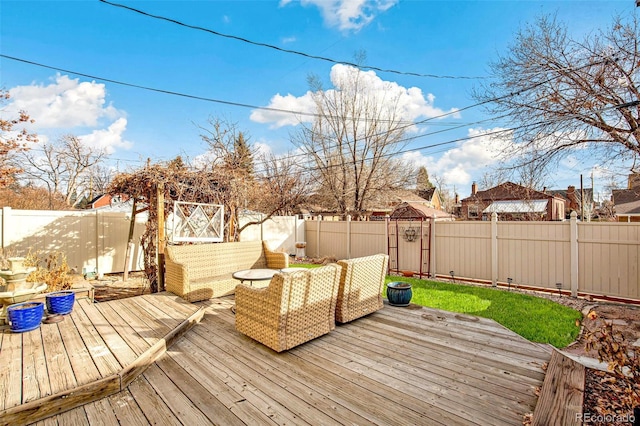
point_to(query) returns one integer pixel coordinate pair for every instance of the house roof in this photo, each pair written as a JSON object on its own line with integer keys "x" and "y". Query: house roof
{"x": 626, "y": 201}
{"x": 427, "y": 194}
{"x": 509, "y": 191}
{"x": 417, "y": 211}
{"x": 517, "y": 206}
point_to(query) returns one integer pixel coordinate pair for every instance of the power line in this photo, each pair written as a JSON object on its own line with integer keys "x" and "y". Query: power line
{"x": 153, "y": 89}
{"x": 294, "y": 52}
{"x": 410, "y": 124}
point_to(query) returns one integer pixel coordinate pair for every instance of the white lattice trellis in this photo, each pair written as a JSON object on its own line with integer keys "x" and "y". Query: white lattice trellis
{"x": 197, "y": 222}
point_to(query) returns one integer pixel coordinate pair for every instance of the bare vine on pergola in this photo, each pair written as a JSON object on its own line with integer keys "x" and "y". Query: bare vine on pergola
{"x": 180, "y": 184}
{"x": 277, "y": 190}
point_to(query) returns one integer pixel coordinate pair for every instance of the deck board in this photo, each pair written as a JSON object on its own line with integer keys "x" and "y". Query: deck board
{"x": 100, "y": 412}
{"x": 94, "y": 352}
{"x": 83, "y": 365}
{"x": 103, "y": 358}
{"x": 35, "y": 378}
{"x": 396, "y": 366}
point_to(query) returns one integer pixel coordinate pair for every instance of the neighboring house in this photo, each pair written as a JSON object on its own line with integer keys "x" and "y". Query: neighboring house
{"x": 574, "y": 201}
{"x": 99, "y": 201}
{"x": 379, "y": 208}
{"x": 106, "y": 202}
{"x": 418, "y": 211}
{"x": 432, "y": 196}
{"x": 511, "y": 201}
{"x": 391, "y": 200}
{"x": 626, "y": 202}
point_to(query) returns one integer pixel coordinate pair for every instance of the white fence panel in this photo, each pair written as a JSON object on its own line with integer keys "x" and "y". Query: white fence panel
{"x": 281, "y": 232}
{"x": 90, "y": 239}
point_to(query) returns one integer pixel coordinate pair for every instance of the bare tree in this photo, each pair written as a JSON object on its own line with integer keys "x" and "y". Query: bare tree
{"x": 30, "y": 198}
{"x": 231, "y": 158}
{"x": 282, "y": 185}
{"x": 568, "y": 96}
{"x": 99, "y": 179}
{"x": 12, "y": 141}
{"x": 352, "y": 142}
{"x": 63, "y": 167}
{"x": 447, "y": 196}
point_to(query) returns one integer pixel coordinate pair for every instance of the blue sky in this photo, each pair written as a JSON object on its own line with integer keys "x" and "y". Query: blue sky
{"x": 442, "y": 38}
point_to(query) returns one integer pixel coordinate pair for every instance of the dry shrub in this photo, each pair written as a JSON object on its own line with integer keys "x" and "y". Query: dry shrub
{"x": 325, "y": 260}
{"x": 623, "y": 362}
{"x": 52, "y": 270}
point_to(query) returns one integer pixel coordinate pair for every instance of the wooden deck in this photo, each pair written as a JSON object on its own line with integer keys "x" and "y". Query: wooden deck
{"x": 95, "y": 351}
{"x": 396, "y": 366}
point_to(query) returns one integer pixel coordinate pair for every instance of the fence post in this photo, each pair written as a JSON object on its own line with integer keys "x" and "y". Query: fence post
{"x": 494, "y": 249}
{"x": 432, "y": 247}
{"x": 97, "y": 236}
{"x": 573, "y": 241}
{"x": 348, "y": 236}
{"x": 319, "y": 219}
{"x": 6, "y": 226}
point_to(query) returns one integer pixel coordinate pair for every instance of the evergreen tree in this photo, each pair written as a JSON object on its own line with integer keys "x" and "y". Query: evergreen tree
{"x": 422, "y": 181}
{"x": 242, "y": 157}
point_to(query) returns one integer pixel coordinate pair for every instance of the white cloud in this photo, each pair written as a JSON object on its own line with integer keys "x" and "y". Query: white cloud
{"x": 262, "y": 149}
{"x": 348, "y": 15}
{"x": 68, "y": 106}
{"x": 302, "y": 104}
{"x": 110, "y": 138}
{"x": 66, "y": 103}
{"x": 287, "y": 40}
{"x": 411, "y": 102}
{"x": 460, "y": 165}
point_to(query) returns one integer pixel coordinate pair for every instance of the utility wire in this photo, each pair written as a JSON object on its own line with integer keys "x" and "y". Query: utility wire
{"x": 411, "y": 124}
{"x": 295, "y": 52}
{"x": 153, "y": 89}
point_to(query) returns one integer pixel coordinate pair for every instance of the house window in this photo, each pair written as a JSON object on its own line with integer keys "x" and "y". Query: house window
{"x": 472, "y": 211}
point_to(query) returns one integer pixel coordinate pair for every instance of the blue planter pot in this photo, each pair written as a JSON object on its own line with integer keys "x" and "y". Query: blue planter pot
{"x": 25, "y": 316}
{"x": 60, "y": 302}
{"x": 399, "y": 293}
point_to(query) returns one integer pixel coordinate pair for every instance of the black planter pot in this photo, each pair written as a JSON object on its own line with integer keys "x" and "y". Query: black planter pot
{"x": 399, "y": 293}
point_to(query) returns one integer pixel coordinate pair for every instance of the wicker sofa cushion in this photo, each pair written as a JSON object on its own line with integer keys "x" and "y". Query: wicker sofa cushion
{"x": 202, "y": 271}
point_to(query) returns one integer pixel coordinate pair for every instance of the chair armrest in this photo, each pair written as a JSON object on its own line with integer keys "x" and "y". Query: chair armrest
{"x": 275, "y": 260}
{"x": 176, "y": 277}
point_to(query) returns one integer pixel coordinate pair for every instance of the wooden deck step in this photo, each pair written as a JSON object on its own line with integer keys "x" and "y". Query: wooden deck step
{"x": 562, "y": 393}
{"x": 95, "y": 352}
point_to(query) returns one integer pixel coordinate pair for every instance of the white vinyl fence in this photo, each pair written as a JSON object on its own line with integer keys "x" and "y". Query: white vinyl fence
{"x": 96, "y": 240}
{"x": 91, "y": 240}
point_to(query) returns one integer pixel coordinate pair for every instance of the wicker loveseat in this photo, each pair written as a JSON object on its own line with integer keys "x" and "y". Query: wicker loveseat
{"x": 202, "y": 271}
{"x": 296, "y": 307}
{"x": 361, "y": 283}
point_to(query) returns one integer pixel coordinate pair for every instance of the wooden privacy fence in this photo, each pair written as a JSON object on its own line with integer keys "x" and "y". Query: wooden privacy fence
{"x": 583, "y": 258}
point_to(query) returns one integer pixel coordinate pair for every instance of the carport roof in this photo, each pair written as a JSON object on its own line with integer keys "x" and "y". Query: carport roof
{"x": 517, "y": 206}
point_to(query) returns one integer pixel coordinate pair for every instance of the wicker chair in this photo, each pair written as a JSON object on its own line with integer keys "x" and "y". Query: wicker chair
{"x": 361, "y": 282}
{"x": 296, "y": 307}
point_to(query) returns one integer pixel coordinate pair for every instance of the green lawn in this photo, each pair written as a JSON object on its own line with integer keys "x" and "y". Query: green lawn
{"x": 534, "y": 318}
